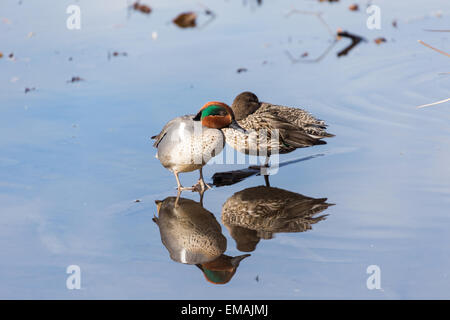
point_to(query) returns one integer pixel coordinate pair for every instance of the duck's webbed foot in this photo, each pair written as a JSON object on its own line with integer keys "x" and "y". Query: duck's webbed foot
{"x": 181, "y": 188}
{"x": 201, "y": 186}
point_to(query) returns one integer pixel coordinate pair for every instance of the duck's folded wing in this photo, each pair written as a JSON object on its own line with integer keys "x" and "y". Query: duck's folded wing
{"x": 300, "y": 214}
{"x": 304, "y": 207}
{"x": 296, "y": 115}
{"x": 290, "y": 134}
{"x": 299, "y": 117}
{"x": 164, "y": 130}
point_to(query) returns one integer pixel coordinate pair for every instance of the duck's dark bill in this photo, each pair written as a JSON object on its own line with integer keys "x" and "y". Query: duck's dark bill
{"x": 198, "y": 116}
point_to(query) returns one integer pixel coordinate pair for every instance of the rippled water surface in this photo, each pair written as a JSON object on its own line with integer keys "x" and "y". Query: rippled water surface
{"x": 75, "y": 157}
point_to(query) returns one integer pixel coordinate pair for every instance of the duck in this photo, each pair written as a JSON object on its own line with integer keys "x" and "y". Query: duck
{"x": 222, "y": 269}
{"x": 188, "y": 142}
{"x": 193, "y": 236}
{"x": 190, "y": 233}
{"x": 260, "y": 212}
{"x": 296, "y": 128}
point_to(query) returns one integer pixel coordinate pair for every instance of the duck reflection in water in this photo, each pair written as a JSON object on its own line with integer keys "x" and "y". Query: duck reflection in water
{"x": 260, "y": 212}
{"x": 193, "y": 236}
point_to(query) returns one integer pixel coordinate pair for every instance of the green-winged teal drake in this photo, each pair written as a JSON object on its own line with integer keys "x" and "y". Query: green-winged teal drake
{"x": 190, "y": 233}
{"x": 193, "y": 236}
{"x": 187, "y": 143}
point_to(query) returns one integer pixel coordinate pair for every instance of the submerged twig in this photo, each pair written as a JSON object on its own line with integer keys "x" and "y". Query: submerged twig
{"x": 336, "y": 36}
{"x": 330, "y": 31}
{"x": 432, "y": 104}
{"x": 433, "y": 48}
{"x": 355, "y": 41}
{"x": 317, "y": 14}
{"x": 323, "y": 55}
{"x": 434, "y": 30}
{"x": 208, "y": 12}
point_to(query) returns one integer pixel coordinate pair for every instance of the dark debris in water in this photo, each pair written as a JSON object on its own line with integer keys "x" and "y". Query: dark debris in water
{"x": 189, "y": 19}
{"x": 29, "y": 89}
{"x": 75, "y": 79}
{"x": 240, "y": 70}
{"x": 353, "y": 7}
{"x": 380, "y": 40}
{"x": 141, "y": 8}
{"x": 116, "y": 54}
{"x": 209, "y": 12}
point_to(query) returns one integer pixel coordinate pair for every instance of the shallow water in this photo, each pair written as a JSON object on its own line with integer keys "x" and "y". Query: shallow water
{"x": 75, "y": 156}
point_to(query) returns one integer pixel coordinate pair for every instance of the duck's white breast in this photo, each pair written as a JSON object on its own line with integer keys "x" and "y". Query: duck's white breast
{"x": 188, "y": 146}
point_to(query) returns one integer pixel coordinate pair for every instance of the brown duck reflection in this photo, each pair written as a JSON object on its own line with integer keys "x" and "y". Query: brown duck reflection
{"x": 193, "y": 236}
{"x": 259, "y": 212}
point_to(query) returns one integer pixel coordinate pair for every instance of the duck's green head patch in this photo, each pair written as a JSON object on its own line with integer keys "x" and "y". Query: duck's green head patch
{"x": 214, "y": 110}
{"x": 215, "y": 114}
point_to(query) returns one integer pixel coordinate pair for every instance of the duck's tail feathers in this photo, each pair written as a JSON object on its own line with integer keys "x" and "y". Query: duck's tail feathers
{"x": 319, "y": 142}
{"x": 322, "y": 135}
{"x": 300, "y": 139}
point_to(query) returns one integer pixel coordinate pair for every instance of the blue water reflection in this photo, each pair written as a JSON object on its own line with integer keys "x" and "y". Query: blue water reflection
{"x": 75, "y": 157}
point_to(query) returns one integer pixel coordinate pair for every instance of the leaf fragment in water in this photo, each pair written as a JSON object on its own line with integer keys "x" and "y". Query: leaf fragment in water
{"x": 186, "y": 20}
{"x": 142, "y": 8}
